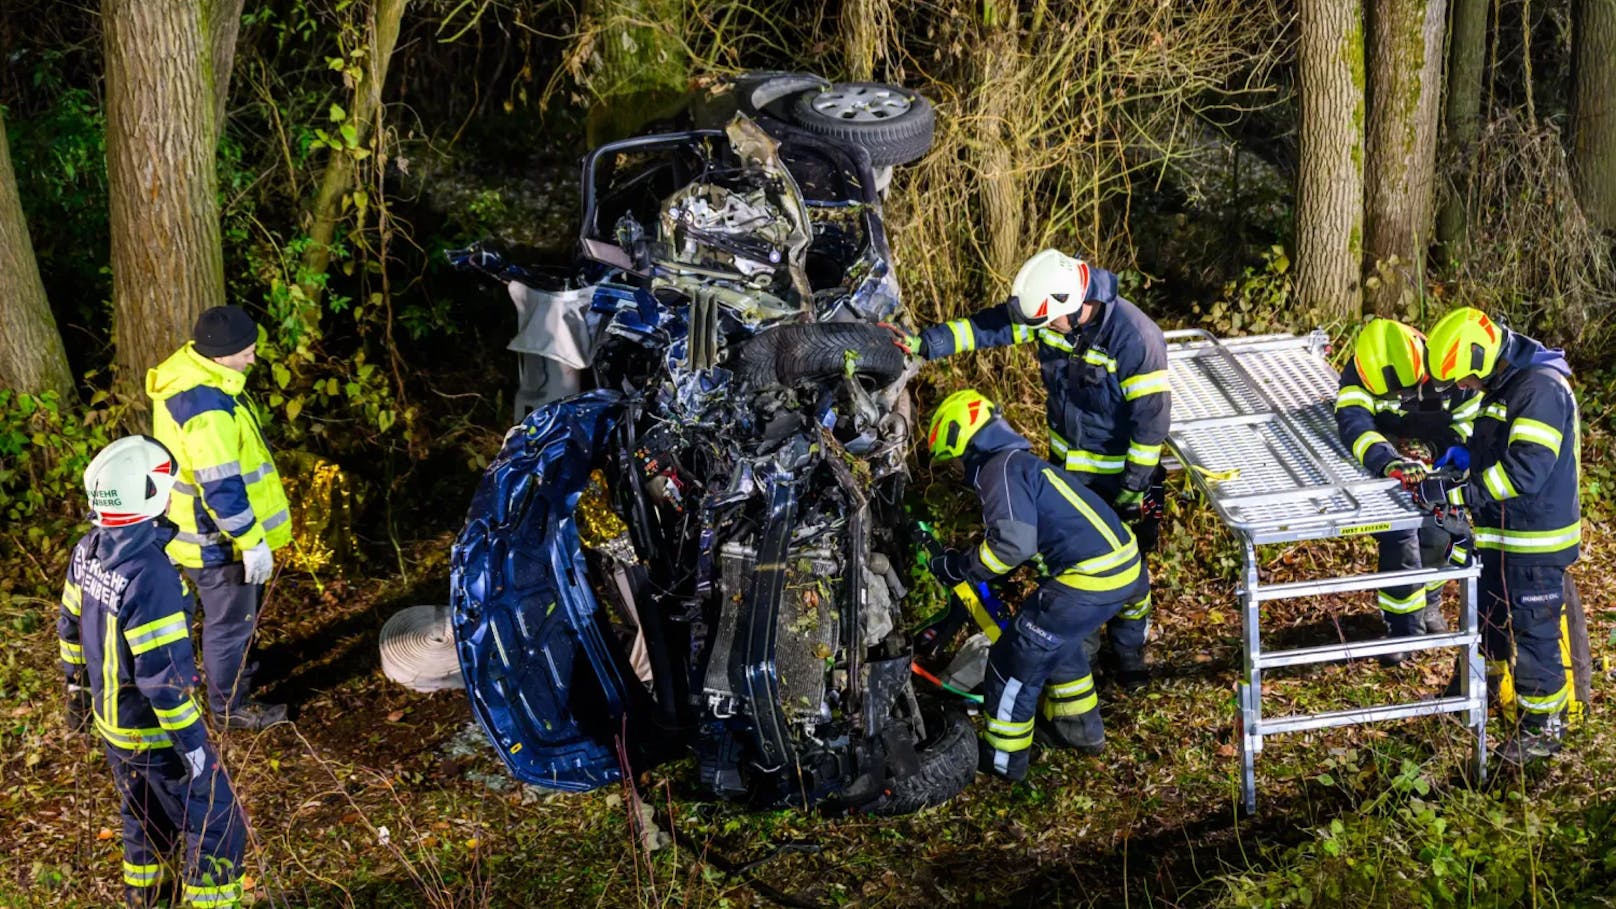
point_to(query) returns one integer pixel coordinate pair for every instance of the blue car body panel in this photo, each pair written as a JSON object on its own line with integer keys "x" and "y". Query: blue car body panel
{"x": 540, "y": 674}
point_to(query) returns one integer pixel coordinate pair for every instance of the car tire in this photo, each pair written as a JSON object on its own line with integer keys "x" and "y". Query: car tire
{"x": 947, "y": 766}
{"x": 893, "y": 125}
{"x": 792, "y": 353}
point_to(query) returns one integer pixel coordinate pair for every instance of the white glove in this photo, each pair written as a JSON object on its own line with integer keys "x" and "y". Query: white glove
{"x": 260, "y": 564}
{"x": 196, "y": 761}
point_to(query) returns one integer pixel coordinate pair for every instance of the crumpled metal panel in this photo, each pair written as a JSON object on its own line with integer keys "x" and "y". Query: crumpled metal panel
{"x": 542, "y": 681}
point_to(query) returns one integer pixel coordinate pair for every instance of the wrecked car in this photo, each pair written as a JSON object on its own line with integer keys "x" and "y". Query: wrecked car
{"x": 695, "y": 540}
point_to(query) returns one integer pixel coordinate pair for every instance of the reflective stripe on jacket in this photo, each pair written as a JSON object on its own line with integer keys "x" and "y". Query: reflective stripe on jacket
{"x": 1525, "y": 459}
{"x": 1368, "y": 424}
{"x": 124, "y": 632}
{"x": 229, "y": 496}
{"x": 1036, "y": 512}
{"x": 1109, "y": 403}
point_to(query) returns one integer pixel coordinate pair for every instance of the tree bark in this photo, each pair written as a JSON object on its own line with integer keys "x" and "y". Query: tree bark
{"x": 223, "y": 23}
{"x": 1467, "y": 54}
{"x": 32, "y": 358}
{"x": 1405, "y": 83}
{"x": 1593, "y": 111}
{"x": 1003, "y": 190}
{"x": 167, "y": 264}
{"x": 340, "y": 168}
{"x": 1329, "y": 208}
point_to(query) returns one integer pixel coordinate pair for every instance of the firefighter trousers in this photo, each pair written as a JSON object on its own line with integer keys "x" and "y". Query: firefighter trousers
{"x": 168, "y": 815}
{"x": 1041, "y": 654}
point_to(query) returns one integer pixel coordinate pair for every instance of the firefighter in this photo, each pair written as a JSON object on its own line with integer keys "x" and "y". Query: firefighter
{"x": 1090, "y": 566}
{"x": 1524, "y": 504}
{"x": 126, "y": 650}
{"x": 228, "y": 502}
{"x": 1385, "y": 395}
{"x": 1104, "y": 366}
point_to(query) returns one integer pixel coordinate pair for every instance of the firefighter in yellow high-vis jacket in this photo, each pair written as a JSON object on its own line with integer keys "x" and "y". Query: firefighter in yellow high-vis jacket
{"x": 228, "y": 503}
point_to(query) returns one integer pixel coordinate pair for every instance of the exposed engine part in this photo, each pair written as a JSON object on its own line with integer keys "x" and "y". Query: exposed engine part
{"x": 705, "y": 222}
{"x": 879, "y": 608}
{"x": 759, "y": 148}
{"x": 663, "y": 489}
{"x": 882, "y": 566}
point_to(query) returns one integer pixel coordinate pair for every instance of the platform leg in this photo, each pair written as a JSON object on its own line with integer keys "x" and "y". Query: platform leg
{"x": 1250, "y": 694}
{"x": 1473, "y": 685}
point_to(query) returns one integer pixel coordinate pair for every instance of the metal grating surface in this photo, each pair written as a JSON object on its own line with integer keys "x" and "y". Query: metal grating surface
{"x": 1264, "y": 409}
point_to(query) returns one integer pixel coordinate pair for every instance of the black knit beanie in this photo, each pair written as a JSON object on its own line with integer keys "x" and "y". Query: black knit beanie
{"x": 224, "y": 330}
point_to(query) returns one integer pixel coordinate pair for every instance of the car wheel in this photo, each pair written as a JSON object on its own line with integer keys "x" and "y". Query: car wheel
{"x": 894, "y": 125}
{"x": 817, "y": 351}
{"x": 947, "y": 765}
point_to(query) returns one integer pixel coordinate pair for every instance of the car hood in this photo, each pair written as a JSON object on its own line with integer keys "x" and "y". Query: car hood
{"x": 541, "y": 677}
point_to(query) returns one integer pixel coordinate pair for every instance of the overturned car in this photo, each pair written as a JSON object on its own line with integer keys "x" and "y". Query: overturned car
{"x": 696, "y": 539}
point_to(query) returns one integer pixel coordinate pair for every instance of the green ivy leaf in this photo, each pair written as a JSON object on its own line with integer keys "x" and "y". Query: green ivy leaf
{"x": 282, "y": 375}
{"x": 337, "y": 114}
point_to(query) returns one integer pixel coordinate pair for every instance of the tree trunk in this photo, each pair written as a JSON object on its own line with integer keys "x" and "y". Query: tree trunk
{"x": 32, "y": 358}
{"x": 223, "y": 23}
{"x": 1329, "y": 207}
{"x": 1593, "y": 116}
{"x": 1405, "y": 83}
{"x": 167, "y": 264}
{"x": 342, "y": 166}
{"x": 1467, "y": 54}
{"x": 638, "y": 68}
{"x": 1003, "y": 190}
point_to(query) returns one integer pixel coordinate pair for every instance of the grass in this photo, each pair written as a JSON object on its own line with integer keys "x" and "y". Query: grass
{"x": 1374, "y": 815}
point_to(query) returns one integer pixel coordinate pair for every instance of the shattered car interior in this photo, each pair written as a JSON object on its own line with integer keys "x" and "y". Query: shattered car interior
{"x": 695, "y": 542}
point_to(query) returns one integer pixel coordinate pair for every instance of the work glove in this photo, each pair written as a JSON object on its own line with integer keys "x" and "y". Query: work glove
{"x": 1129, "y": 504}
{"x": 77, "y": 716}
{"x": 259, "y": 563}
{"x": 949, "y": 568}
{"x": 1408, "y": 470}
{"x": 1457, "y": 457}
{"x": 196, "y": 760}
{"x": 1446, "y": 502}
{"x": 911, "y": 344}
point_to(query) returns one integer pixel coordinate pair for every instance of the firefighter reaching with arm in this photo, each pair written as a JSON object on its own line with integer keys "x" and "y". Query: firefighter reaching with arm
{"x": 1386, "y": 394}
{"x": 1104, "y": 367}
{"x": 1090, "y": 566}
{"x": 126, "y": 650}
{"x": 1522, "y": 493}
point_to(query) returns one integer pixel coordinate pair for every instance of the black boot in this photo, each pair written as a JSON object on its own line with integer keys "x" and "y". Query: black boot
{"x": 1083, "y": 733}
{"x": 255, "y": 715}
{"x": 1132, "y": 673}
{"x": 1533, "y": 741}
{"x": 1434, "y": 621}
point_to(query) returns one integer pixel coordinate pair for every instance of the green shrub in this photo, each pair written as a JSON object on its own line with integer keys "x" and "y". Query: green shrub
{"x": 43, "y": 453}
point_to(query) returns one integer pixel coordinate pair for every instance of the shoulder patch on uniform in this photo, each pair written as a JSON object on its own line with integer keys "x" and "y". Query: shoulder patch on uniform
{"x": 193, "y": 402}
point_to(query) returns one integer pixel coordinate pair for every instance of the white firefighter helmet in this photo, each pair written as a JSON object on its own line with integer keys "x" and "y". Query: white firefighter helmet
{"x": 1049, "y": 285}
{"x": 129, "y": 481}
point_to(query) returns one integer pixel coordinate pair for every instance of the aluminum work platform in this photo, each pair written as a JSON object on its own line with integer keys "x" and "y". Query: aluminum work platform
{"x": 1254, "y": 424}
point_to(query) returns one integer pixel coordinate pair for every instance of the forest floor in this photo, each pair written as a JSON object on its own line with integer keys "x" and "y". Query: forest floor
{"x": 379, "y": 796}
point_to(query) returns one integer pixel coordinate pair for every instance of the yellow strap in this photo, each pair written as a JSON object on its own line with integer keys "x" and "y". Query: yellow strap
{"x": 973, "y": 605}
